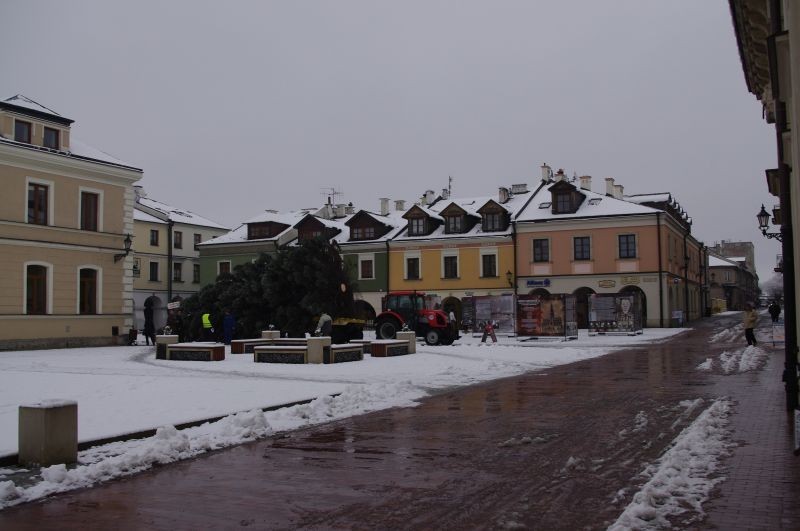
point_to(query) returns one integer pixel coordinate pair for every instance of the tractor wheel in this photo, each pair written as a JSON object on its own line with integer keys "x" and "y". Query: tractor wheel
{"x": 432, "y": 337}
{"x": 387, "y": 329}
{"x": 447, "y": 339}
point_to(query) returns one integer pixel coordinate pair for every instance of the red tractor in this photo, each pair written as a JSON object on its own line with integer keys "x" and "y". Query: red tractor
{"x": 407, "y": 308}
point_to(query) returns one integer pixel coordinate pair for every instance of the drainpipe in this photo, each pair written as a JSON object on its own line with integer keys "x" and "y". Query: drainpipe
{"x": 660, "y": 267}
{"x": 170, "y": 258}
{"x": 685, "y": 278}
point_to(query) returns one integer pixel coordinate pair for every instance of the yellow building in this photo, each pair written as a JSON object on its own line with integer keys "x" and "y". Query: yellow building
{"x": 65, "y": 276}
{"x": 452, "y": 249}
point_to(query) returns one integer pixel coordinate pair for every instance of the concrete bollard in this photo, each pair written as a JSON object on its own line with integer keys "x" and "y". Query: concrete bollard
{"x": 270, "y": 334}
{"x": 161, "y": 345}
{"x": 411, "y": 337}
{"x": 316, "y": 348}
{"x": 48, "y": 433}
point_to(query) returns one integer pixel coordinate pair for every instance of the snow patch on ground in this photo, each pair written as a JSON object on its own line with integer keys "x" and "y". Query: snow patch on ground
{"x": 681, "y": 480}
{"x": 639, "y": 424}
{"x": 747, "y": 359}
{"x": 728, "y": 334}
{"x": 706, "y": 365}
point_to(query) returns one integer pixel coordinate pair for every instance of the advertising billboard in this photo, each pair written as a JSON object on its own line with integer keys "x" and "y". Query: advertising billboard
{"x": 615, "y": 313}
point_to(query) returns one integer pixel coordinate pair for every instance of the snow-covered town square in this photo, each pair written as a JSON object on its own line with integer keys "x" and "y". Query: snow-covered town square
{"x": 624, "y": 432}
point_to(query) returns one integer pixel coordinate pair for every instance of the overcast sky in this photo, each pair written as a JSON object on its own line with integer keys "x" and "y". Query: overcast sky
{"x": 234, "y": 107}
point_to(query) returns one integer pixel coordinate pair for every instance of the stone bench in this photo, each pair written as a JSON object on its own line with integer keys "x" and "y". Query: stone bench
{"x": 280, "y": 354}
{"x": 343, "y": 352}
{"x": 366, "y": 345}
{"x": 384, "y": 348}
{"x": 196, "y": 352}
{"x": 161, "y": 345}
{"x": 245, "y": 346}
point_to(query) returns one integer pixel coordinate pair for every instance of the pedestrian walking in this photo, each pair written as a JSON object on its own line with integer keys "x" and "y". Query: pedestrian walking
{"x": 228, "y": 326}
{"x": 488, "y": 331}
{"x": 774, "y": 311}
{"x": 749, "y": 320}
{"x": 208, "y": 329}
{"x": 149, "y": 321}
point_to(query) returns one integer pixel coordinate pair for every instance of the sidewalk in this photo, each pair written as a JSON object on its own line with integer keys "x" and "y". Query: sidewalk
{"x": 558, "y": 449}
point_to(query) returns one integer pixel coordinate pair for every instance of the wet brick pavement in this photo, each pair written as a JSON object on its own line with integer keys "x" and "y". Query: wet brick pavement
{"x": 558, "y": 449}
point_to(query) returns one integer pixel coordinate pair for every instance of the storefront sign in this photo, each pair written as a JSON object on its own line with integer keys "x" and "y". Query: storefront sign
{"x": 630, "y": 280}
{"x": 537, "y": 283}
{"x": 606, "y": 283}
{"x": 650, "y": 279}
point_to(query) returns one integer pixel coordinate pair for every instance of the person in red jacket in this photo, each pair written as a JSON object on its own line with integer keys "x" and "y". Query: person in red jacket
{"x": 488, "y": 330}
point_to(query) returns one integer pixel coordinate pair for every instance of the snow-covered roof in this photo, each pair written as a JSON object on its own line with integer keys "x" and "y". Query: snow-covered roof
{"x": 736, "y": 258}
{"x": 594, "y": 205}
{"x": 79, "y": 148}
{"x": 393, "y": 219}
{"x": 178, "y": 215}
{"x": 239, "y": 234}
{"x": 718, "y": 261}
{"x": 664, "y": 197}
{"x": 139, "y": 215}
{"x": 25, "y": 102}
{"x": 471, "y": 205}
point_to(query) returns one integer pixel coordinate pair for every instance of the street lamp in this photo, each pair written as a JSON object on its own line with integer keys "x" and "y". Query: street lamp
{"x": 127, "y": 242}
{"x": 763, "y": 224}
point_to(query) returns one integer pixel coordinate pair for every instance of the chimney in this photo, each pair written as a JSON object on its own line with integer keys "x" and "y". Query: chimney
{"x": 502, "y": 195}
{"x": 400, "y": 205}
{"x": 519, "y": 188}
{"x": 445, "y": 193}
{"x": 586, "y": 182}
{"x": 610, "y": 186}
{"x": 547, "y": 173}
{"x": 559, "y": 176}
{"x": 384, "y": 206}
{"x": 430, "y": 196}
{"x": 618, "y": 189}
{"x": 340, "y": 210}
{"x": 139, "y": 190}
{"x": 350, "y": 209}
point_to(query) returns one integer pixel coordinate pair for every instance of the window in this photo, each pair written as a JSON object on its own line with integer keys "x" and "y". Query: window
{"x": 563, "y": 203}
{"x": 38, "y": 199}
{"x": 454, "y": 224}
{"x": 22, "y": 131}
{"x": 450, "y": 266}
{"x": 154, "y": 237}
{"x": 223, "y": 267}
{"x": 416, "y": 226}
{"x": 627, "y": 246}
{"x": 582, "y": 248}
{"x": 541, "y": 250}
{"x": 363, "y": 233}
{"x": 87, "y": 291}
{"x": 492, "y": 222}
{"x": 51, "y": 139}
{"x": 412, "y": 268}
{"x": 197, "y": 239}
{"x": 177, "y": 239}
{"x": 153, "y": 271}
{"x": 177, "y": 272}
{"x": 196, "y": 273}
{"x": 137, "y": 267}
{"x": 727, "y": 276}
{"x": 489, "y": 265}
{"x": 366, "y": 269}
{"x": 36, "y": 290}
{"x": 90, "y": 203}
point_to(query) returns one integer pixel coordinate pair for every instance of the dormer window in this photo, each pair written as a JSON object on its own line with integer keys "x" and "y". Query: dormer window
{"x": 563, "y": 203}
{"x": 22, "y": 131}
{"x": 51, "y": 138}
{"x": 492, "y": 222}
{"x": 363, "y": 233}
{"x": 261, "y": 230}
{"x": 416, "y": 226}
{"x": 454, "y": 224}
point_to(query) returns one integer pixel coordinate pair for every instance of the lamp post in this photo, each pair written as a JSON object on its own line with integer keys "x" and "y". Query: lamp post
{"x": 763, "y": 224}
{"x": 127, "y": 242}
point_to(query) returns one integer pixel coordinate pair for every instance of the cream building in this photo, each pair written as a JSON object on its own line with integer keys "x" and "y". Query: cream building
{"x": 65, "y": 277}
{"x": 166, "y": 263}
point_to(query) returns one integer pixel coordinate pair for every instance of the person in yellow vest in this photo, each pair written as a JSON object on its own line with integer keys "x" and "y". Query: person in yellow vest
{"x": 208, "y": 329}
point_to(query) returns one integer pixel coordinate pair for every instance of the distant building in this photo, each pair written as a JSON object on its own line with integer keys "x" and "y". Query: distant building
{"x": 166, "y": 264}
{"x": 65, "y": 276}
{"x": 732, "y": 281}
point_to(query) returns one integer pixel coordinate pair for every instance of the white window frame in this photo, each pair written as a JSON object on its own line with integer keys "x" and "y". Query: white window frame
{"x": 489, "y": 251}
{"x": 406, "y": 256}
{"x": 49, "y": 267}
{"x": 100, "y": 201}
{"x": 448, "y": 253}
{"x": 99, "y": 301}
{"x": 366, "y": 258}
{"x": 51, "y": 207}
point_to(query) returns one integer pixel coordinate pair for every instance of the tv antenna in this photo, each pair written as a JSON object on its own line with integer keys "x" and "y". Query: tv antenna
{"x": 331, "y": 193}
